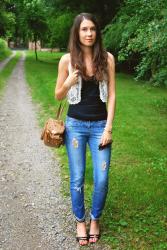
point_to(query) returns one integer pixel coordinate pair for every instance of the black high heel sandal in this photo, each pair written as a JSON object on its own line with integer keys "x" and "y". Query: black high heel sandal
{"x": 80, "y": 238}
{"x": 94, "y": 236}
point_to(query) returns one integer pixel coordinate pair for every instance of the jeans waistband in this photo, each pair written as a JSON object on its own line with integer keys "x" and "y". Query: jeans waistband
{"x": 82, "y": 122}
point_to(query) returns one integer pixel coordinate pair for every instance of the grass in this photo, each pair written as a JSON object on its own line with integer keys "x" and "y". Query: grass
{"x": 135, "y": 215}
{"x": 7, "y": 70}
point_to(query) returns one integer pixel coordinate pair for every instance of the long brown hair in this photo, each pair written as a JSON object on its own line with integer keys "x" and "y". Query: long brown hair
{"x": 99, "y": 54}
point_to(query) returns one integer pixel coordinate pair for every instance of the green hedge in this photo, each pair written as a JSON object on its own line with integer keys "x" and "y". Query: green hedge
{"x": 4, "y": 50}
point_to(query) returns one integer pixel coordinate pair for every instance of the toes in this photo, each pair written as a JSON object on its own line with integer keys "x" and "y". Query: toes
{"x": 93, "y": 239}
{"x": 83, "y": 243}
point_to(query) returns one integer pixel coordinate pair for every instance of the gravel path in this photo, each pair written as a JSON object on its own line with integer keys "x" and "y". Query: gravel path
{"x": 33, "y": 213}
{"x": 4, "y": 62}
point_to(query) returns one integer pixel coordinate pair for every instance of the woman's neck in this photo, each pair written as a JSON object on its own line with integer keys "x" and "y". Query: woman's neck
{"x": 87, "y": 52}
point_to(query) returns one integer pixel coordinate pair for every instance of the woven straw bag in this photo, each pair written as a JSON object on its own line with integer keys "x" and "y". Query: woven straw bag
{"x": 53, "y": 131}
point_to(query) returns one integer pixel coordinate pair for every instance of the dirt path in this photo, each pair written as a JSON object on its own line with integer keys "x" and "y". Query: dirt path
{"x": 33, "y": 213}
{"x": 3, "y": 63}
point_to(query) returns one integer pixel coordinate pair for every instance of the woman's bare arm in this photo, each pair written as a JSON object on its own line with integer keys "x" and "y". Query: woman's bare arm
{"x": 111, "y": 91}
{"x": 107, "y": 136}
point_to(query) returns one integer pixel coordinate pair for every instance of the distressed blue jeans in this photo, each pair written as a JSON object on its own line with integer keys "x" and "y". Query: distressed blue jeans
{"x": 78, "y": 134}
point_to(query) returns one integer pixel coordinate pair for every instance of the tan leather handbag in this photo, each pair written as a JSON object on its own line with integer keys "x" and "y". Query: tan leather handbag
{"x": 53, "y": 131}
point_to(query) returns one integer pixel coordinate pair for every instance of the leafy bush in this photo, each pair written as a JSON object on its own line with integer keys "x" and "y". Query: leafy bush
{"x": 4, "y": 51}
{"x": 113, "y": 36}
{"x": 140, "y": 28}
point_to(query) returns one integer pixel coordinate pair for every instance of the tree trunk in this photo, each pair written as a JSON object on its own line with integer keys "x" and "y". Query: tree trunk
{"x": 36, "y": 50}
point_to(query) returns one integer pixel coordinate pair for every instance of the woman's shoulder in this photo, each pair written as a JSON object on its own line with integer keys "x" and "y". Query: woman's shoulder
{"x": 110, "y": 59}
{"x": 65, "y": 58}
{"x": 64, "y": 62}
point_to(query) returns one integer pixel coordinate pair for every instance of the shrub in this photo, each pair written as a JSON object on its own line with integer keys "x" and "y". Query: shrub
{"x": 140, "y": 28}
{"x": 4, "y": 50}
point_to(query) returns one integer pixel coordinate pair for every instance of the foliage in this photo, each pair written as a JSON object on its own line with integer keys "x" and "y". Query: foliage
{"x": 36, "y": 21}
{"x": 139, "y": 32}
{"x": 7, "y": 20}
{"x": 59, "y": 29}
{"x": 4, "y": 51}
{"x": 104, "y": 9}
{"x": 112, "y": 36}
{"x": 32, "y": 18}
{"x": 35, "y": 15}
{"x": 31, "y": 21}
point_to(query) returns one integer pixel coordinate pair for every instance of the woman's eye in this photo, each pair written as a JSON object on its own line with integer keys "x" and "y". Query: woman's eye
{"x": 91, "y": 29}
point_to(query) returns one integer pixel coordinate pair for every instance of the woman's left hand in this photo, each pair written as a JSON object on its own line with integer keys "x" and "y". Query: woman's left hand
{"x": 106, "y": 138}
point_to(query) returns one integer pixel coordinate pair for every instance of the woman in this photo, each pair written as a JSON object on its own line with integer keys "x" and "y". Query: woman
{"x": 86, "y": 76}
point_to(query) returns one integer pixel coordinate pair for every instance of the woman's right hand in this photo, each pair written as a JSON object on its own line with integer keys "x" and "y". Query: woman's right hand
{"x": 64, "y": 79}
{"x": 72, "y": 78}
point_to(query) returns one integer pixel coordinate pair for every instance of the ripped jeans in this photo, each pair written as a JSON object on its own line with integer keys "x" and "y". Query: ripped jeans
{"x": 77, "y": 134}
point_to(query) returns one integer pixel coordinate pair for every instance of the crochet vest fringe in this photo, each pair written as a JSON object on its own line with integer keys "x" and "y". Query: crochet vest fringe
{"x": 74, "y": 93}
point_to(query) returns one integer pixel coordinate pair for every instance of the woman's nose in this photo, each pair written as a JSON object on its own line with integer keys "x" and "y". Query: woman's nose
{"x": 89, "y": 32}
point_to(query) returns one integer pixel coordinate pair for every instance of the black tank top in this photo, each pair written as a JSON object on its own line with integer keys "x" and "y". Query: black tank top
{"x": 90, "y": 108}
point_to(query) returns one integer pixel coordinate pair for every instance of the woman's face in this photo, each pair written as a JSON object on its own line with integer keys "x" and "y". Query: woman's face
{"x": 87, "y": 33}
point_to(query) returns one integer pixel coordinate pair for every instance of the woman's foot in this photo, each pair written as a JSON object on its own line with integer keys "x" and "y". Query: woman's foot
{"x": 82, "y": 237}
{"x": 94, "y": 234}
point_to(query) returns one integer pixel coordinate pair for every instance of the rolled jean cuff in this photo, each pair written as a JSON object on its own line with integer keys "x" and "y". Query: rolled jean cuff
{"x": 93, "y": 218}
{"x": 80, "y": 220}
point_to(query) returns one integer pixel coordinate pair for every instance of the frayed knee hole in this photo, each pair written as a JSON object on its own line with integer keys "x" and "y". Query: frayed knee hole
{"x": 75, "y": 143}
{"x": 104, "y": 165}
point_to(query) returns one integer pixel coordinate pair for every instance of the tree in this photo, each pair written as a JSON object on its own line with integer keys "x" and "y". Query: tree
{"x": 105, "y": 10}
{"x": 30, "y": 19}
{"x": 59, "y": 29}
{"x": 7, "y": 19}
{"x": 35, "y": 16}
{"x": 138, "y": 35}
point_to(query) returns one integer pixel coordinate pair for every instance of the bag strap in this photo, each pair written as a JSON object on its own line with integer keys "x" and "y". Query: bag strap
{"x": 60, "y": 110}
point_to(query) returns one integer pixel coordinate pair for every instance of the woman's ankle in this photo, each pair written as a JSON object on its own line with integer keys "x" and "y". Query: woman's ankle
{"x": 94, "y": 226}
{"x": 81, "y": 228}
{"x": 94, "y": 233}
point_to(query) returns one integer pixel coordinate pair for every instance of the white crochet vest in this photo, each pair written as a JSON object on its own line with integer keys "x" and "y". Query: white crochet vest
{"x": 74, "y": 93}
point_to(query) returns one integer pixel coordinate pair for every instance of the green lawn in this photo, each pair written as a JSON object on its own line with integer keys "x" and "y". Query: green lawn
{"x": 135, "y": 216}
{"x": 7, "y": 70}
